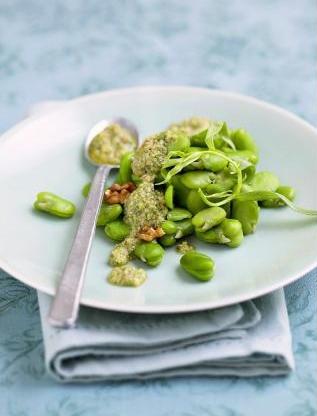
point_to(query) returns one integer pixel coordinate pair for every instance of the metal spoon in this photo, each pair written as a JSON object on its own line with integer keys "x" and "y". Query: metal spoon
{"x": 65, "y": 306}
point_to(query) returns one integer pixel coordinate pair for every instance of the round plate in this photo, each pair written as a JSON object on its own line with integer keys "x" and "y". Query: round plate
{"x": 45, "y": 152}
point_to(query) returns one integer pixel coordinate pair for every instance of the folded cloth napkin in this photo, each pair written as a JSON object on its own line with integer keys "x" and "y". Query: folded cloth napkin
{"x": 248, "y": 339}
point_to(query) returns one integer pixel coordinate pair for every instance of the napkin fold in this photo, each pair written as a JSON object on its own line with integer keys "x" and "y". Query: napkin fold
{"x": 248, "y": 339}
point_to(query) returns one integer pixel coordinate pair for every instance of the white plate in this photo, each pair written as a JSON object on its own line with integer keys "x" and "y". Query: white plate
{"x": 45, "y": 153}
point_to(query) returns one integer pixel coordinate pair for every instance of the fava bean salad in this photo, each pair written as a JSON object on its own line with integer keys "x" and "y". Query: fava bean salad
{"x": 197, "y": 178}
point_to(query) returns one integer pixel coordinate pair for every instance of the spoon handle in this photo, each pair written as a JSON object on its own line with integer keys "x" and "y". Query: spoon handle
{"x": 65, "y": 306}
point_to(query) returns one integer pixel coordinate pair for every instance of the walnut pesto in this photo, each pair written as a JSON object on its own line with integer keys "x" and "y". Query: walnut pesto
{"x": 127, "y": 276}
{"x": 191, "y": 126}
{"x": 148, "y": 159}
{"x": 119, "y": 255}
{"x": 145, "y": 207}
{"x": 112, "y": 143}
{"x": 185, "y": 247}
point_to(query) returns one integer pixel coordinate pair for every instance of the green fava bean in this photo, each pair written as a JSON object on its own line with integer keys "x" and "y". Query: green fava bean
{"x": 194, "y": 203}
{"x": 167, "y": 240}
{"x": 248, "y": 173}
{"x": 196, "y": 179}
{"x": 247, "y": 212}
{"x": 197, "y": 165}
{"x": 180, "y": 191}
{"x": 178, "y": 141}
{"x": 169, "y": 227}
{"x": 169, "y": 197}
{"x": 264, "y": 181}
{"x": 184, "y": 228}
{"x": 211, "y": 236}
{"x": 86, "y": 189}
{"x": 227, "y": 184}
{"x": 198, "y": 265}
{"x": 193, "y": 149}
{"x": 232, "y": 231}
{"x": 125, "y": 169}
{"x": 227, "y": 208}
{"x": 54, "y": 205}
{"x": 223, "y": 182}
{"x": 198, "y": 140}
{"x": 229, "y": 232}
{"x": 215, "y": 188}
{"x": 208, "y": 218}
{"x": 239, "y": 155}
{"x": 108, "y": 213}
{"x": 287, "y": 191}
{"x": 243, "y": 141}
{"x": 214, "y": 163}
{"x": 117, "y": 230}
{"x": 178, "y": 214}
{"x": 149, "y": 252}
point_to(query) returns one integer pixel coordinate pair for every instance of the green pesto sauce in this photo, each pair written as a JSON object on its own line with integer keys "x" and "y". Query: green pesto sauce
{"x": 127, "y": 276}
{"x": 184, "y": 247}
{"x": 191, "y": 126}
{"x": 121, "y": 253}
{"x": 145, "y": 207}
{"x": 149, "y": 158}
{"x": 109, "y": 145}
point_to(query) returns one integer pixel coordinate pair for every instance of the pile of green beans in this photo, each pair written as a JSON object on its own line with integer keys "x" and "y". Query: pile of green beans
{"x": 212, "y": 191}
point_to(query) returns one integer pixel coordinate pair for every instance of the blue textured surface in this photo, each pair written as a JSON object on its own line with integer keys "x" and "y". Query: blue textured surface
{"x": 58, "y": 49}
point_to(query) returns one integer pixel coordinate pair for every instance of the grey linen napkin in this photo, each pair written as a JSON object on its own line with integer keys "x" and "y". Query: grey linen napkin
{"x": 248, "y": 339}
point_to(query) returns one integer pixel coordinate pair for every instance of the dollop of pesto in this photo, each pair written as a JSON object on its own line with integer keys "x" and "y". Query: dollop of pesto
{"x": 111, "y": 144}
{"x": 148, "y": 159}
{"x": 120, "y": 255}
{"x": 145, "y": 207}
{"x": 184, "y": 247}
{"x": 127, "y": 276}
{"x": 191, "y": 126}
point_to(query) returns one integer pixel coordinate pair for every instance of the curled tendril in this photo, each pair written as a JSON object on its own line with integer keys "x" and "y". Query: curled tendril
{"x": 265, "y": 195}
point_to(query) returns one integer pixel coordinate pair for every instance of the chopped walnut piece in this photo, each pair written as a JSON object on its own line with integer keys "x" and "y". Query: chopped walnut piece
{"x": 118, "y": 194}
{"x": 149, "y": 233}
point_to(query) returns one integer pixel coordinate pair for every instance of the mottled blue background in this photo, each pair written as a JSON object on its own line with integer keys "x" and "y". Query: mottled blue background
{"x": 60, "y": 49}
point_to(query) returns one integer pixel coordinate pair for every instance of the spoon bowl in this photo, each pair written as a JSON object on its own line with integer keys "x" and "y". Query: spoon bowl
{"x": 102, "y": 125}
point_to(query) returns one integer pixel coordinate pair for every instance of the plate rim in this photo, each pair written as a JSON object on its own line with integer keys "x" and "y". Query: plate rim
{"x": 165, "y": 309}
